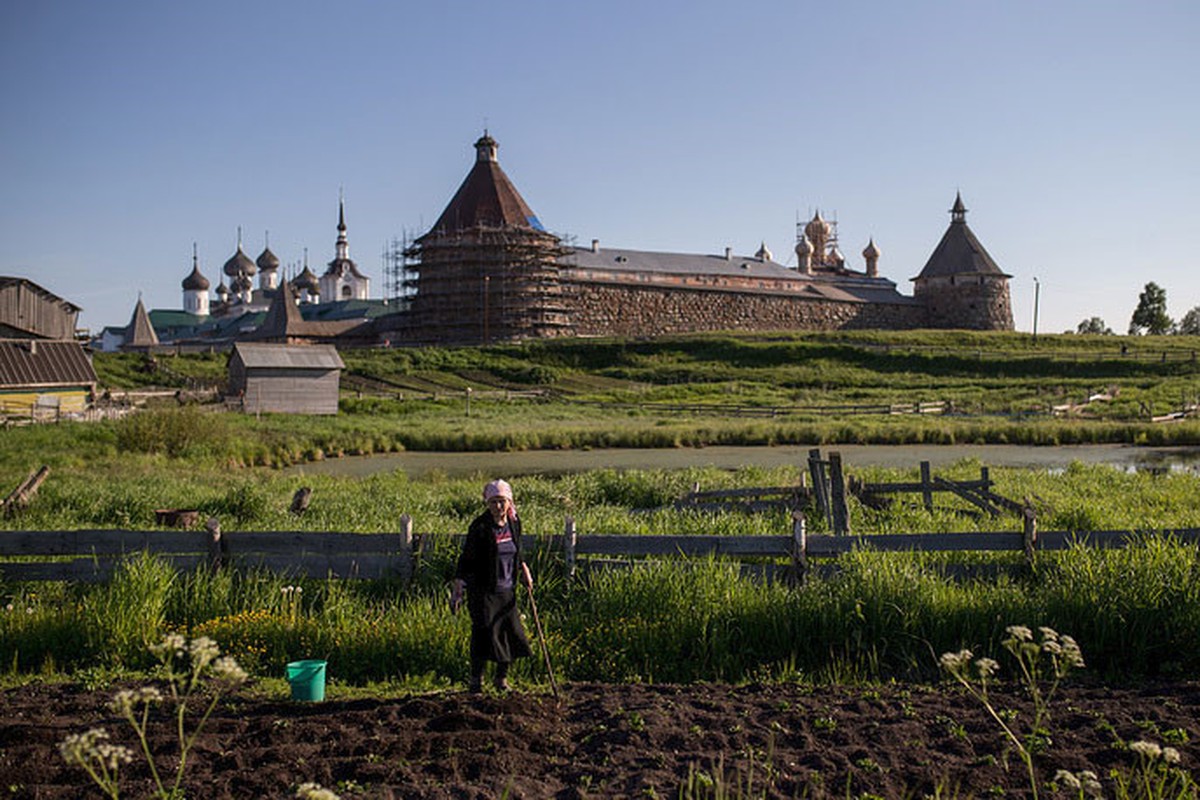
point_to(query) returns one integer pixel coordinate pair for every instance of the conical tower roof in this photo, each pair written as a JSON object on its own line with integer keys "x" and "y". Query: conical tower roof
{"x": 487, "y": 198}
{"x": 283, "y": 316}
{"x": 959, "y": 252}
{"x": 139, "y": 332}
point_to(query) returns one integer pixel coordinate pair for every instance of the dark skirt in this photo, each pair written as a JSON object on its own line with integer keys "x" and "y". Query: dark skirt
{"x": 496, "y": 630}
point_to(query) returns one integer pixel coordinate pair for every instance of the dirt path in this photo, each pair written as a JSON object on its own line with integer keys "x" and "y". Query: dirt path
{"x": 607, "y": 741}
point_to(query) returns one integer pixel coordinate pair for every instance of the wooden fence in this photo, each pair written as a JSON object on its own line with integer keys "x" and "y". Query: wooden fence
{"x": 92, "y": 555}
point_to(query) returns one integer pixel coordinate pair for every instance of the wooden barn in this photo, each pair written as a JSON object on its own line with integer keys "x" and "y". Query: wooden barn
{"x": 29, "y": 311}
{"x": 42, "y": 379}
{"x": 285, "y": 379}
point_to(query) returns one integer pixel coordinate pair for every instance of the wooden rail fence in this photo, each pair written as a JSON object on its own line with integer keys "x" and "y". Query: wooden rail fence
{"x": 93, "y": 555}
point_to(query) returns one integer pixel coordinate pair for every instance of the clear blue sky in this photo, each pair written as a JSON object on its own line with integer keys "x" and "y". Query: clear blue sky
{"x": 133, "y": 129}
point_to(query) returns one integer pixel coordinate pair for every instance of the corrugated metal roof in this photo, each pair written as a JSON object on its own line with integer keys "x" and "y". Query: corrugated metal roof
{"x": 286, "y": 356}
{"x": 36, "y": 362}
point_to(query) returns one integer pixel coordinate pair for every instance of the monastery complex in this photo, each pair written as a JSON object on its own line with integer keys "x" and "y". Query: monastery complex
{"x": 488, "y": 271}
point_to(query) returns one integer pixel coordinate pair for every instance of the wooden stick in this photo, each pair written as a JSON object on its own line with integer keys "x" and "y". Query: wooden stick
{"x": 537, "y": 622}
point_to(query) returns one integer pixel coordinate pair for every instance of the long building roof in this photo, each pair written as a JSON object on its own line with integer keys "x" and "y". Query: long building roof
{"x": 38, "y": 363}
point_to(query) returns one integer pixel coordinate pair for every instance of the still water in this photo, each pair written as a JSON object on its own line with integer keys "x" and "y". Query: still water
{"x": 552, "y": 462}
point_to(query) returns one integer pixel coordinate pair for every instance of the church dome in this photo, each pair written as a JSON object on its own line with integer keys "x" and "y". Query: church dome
{"x": 267, "y": 261}
{"x": 817, "y": 228}
{"x": 239, "y": 264}
{"x": 804, "y": 247}
{"x": 763, "y": 254}
{"x": 871, "y": 250}
{"x": 195, "y": 282}
{"x": 222, "y": 290}
{"x": 306, "y": 280}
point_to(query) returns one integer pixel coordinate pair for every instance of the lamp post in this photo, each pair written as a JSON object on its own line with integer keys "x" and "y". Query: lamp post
{"x": 1037, "y": 290}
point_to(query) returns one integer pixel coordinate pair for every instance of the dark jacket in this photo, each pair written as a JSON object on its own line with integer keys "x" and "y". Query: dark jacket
{"x": 477, "y": 562}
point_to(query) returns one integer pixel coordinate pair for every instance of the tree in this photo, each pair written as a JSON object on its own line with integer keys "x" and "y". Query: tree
{"x": 1151, "y": 312}
{"x": 1094, "y": 325}
{"x": 1190, "y": 324}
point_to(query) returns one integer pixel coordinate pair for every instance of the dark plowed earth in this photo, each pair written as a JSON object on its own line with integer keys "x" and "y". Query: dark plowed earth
{"x": 607, "y": 741}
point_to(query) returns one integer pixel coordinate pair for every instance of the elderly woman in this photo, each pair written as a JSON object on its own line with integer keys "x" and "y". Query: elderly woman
{"x": 488, "y": 569}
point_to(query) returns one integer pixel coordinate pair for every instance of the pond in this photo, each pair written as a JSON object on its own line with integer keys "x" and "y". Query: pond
{"x": 541, "y": 462}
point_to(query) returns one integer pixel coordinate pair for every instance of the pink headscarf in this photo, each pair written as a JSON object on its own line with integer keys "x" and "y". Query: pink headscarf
{"x": 500, "y": 488}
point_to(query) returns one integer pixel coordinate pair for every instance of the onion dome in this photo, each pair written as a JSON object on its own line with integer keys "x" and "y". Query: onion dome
{"x": 241, "y": 284}
{"x": 804, "y": 247}
{"x": 306, "y": 280}
{"x": 763, "y": 253}
{"x": 222, "y": 290}
{"x": 871, "y": 251}
{"x": 836, "y": 257}
{"x": 195, "y": 282}
{"x": 817, "y": 228}
{"x": 239, "y": 264}
{"x": 267, "y": 261}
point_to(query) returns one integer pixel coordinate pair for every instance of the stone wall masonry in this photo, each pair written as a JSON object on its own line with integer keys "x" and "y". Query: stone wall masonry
{"x": 969, "y": 305}
{"x": 624, "y": 310}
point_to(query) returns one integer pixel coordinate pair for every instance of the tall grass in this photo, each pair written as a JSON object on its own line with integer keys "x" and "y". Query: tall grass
{"x": 1136, "y": 612}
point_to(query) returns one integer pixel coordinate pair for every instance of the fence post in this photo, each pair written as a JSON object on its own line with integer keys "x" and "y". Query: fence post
{"x": 1030, "y": 519}
{"x": 820, "y": 487}
{"x": 799, "y": 549}
{"x": 406, "y": 549}
{"x": 569, "y": 547}
{"x": 926, "y": 487}
{"x": 216, "y": 545}
{"x": 985, "y": 478}
{"x": 837, "y": 492}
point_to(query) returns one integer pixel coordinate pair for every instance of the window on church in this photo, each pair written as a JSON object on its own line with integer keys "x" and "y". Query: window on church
{"x": 347, "y": 293}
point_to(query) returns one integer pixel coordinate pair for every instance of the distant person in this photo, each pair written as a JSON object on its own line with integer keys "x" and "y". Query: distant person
{"x": 488, "y": 570}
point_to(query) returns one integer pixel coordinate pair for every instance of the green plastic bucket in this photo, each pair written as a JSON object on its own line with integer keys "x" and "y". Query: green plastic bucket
{"x": 307, "y": 679}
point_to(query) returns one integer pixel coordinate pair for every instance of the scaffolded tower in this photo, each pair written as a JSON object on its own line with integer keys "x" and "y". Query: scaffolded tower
{"x": 487, "y": 271}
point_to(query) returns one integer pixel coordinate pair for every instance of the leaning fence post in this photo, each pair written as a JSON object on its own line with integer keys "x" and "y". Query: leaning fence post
{"x": 926, "y": 486}
{"x": 799, "y": 549}
{"x": 216, "y": 545}
{"x": 569, "y": 547}
{"x": 837, "y": 495}
{"x": 1030, "y": 532}
{"x": 406, "y": 549}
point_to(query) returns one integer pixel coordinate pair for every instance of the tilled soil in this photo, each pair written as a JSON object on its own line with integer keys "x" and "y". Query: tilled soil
{"x": 603, "y": 741}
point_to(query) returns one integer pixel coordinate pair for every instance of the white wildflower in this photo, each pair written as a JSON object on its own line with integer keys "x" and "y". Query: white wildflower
{"x": 1091, "y": 783}
{"x": 1020, "y": 633}
{"x": 1170, "y": 755}
{"x": 126, "y": 700}
{"x": 1068, "y": 780}
{"x": 203, "y": 650}
{"x": 955, "y": 662}
{"x": 1071, "y": 652}
{"x": 1048, "y": 634}
{"x": 226, "y": 668}
{"x": 8, "y": 607}
{"x": 314, "y": 791}
{"x": 987, "y": 667}
{"x": 172, "y": 645}
{"x": 1148, "y": 750}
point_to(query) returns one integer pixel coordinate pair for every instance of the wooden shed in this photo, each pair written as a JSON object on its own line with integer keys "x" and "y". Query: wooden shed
{"x": 28, "y": 310}
{"x": 285, "y": 379}
{"x": 44, "y": 379}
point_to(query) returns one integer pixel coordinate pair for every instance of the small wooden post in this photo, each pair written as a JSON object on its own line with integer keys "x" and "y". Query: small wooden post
{"x": 799, "y": 549}
{"x": 20, "y": 497}
{"x": 406, "y": 549}
{"x": 985, "y": 478}
{"x": 216, "y": 545}
{"x": 926, "y": 486}
{"x": 837, "y": 492}
{"x": 569, "y": 547}
{"x": 1030, "y": 518}
{"x": 820, "y": 487}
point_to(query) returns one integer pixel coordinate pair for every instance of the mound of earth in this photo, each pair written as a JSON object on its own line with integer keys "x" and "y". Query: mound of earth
{"x": 604, "y": 741}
